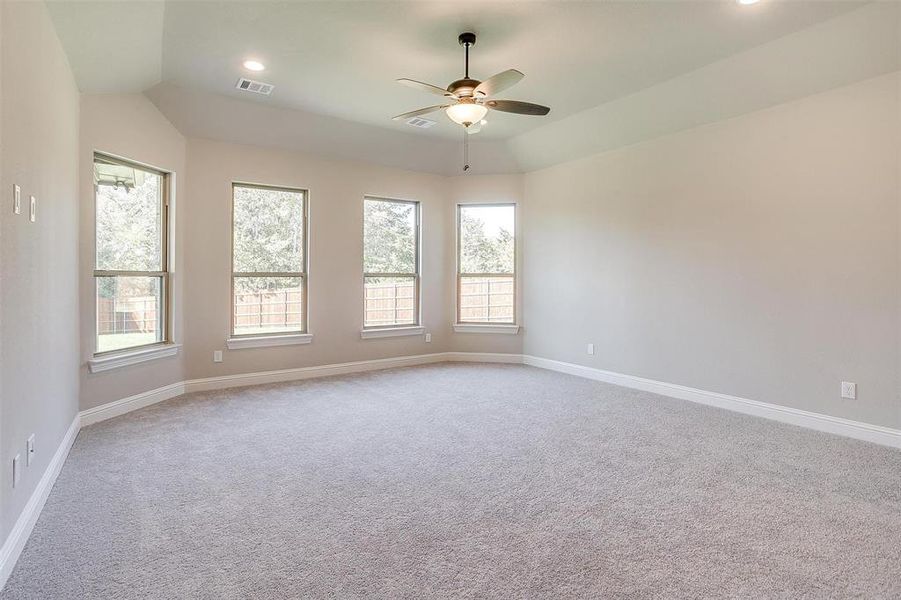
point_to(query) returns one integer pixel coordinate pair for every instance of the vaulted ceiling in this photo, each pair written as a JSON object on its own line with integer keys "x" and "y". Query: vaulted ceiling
{"x": 613, "y": 72}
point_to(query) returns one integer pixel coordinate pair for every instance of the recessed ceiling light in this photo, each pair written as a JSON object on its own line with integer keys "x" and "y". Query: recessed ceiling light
{"x": 746, "y": 2}
{"x": 253, "y": 65}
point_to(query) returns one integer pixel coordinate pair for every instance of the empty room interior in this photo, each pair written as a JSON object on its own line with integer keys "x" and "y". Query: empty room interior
{"x": 450, "y": 299}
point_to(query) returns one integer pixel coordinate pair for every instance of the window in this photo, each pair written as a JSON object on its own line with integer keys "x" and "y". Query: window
{"x": 268, "y": 260}
{"x": 131, "y": 277}
{"x": 486, "y": 258}
{"x": 390, "y": 263}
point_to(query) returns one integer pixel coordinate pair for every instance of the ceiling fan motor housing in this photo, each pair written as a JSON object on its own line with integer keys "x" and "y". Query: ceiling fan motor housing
{"x": 463, "y": 88}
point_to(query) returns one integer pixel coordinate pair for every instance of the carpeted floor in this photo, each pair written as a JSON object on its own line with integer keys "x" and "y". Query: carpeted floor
{"x": 462, "y": 481}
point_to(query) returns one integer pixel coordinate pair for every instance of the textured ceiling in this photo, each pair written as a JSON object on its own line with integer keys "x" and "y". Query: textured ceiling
{"x": 613, "y": 72}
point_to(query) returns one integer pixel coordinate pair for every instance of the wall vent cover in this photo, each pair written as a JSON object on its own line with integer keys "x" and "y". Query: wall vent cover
{"x": 420, "y": 122}
{"x": 257, "y": 87}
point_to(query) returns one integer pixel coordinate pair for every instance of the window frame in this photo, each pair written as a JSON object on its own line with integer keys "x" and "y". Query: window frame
{"x": 164, "y": 318}
{"x": 461, "y": 275}
{"x": 416, "y": 275}
{"x": 303, "y": 275}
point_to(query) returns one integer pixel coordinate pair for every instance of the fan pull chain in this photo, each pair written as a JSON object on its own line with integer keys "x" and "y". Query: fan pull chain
{"x": 465, "y": 150}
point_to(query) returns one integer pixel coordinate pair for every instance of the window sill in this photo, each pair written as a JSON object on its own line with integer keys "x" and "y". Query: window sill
{"x": 368, "y": 334}
{"x": 108, "y": 362}
{"x": 486, "y": 328}
{"x": 263, "y": 341}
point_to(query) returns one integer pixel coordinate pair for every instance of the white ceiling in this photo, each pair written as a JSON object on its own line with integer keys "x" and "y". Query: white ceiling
{"x": 334, "y": 63}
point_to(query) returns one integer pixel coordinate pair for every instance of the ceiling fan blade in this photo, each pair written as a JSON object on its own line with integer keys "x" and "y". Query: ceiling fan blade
{"x": 498, "y": 83}
{"x": 425, "y": 87}
{"x": 520, "y": 108}
{"x": 421, "y": 111}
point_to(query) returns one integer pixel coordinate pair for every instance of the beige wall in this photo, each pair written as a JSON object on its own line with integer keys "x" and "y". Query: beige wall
{"x": 335, "y": 267}
{"x": 131, "y": 127}
{"x": 483, "y": 189}
{"x": 756, "y": 257}
{"x": 38, "y": 261}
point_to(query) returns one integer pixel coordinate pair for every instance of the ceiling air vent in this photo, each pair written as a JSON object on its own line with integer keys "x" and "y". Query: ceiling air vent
{"x": 257, "y": 87}
{"x": 420, "y": 122}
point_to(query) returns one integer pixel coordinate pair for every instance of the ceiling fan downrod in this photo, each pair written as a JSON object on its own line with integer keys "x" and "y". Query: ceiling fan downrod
{"x": 466, "y": 40}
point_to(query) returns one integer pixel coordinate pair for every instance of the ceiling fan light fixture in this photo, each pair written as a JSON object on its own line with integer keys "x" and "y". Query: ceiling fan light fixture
{"x": 466, "y": 113}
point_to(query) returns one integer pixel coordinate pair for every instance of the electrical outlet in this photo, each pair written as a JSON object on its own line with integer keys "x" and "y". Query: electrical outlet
{"x": 217, "y": 355}
{"x": 849, "y": 390}
{"x": 17, "y": 470}
{"x": 29, "y": 447}
{"x": 17, "y": 199}
{"x": 428, "y": 338}
{"x": 591, "y": 349}
{"x": 32, "y": 211}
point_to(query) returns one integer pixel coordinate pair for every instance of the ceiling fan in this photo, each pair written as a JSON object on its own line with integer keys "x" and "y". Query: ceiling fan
{"x": 467, "y": 101}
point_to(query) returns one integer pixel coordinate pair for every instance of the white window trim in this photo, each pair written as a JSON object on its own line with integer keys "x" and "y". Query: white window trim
{"x": 507, "y": 329}
{"x": 263, "y": 341}
{"x": 107, "y": 362}
{"x": 168, "y": 252}
{"x": 511, "y": 327}
{"x": 299, "y": 336}
{"x": 416, "y": 276}
{"x": 384, "y": 332}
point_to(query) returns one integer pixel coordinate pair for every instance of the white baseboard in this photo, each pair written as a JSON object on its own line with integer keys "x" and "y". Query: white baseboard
{"x": 784, "y": 414}
{"x": 820, "y": 422}
{"x": 245, "y": 379}
{"x": 262, "y": 377}
{"x": 125, "y": 405}
{"x": 16, "y": 539}
{"x": 485, "y": 357}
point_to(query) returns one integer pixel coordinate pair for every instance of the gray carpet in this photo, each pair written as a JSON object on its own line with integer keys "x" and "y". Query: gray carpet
{"x": 462, "y": 481}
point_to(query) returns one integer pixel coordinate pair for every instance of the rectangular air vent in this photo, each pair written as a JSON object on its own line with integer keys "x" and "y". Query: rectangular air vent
{"x": 420, "y": 122}
{"x": 257, "y": 87}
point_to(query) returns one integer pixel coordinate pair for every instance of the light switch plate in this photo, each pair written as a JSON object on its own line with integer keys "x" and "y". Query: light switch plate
{"x": 29, "y": 447}
{"x": 17, "y": 199}
{"x": 849, "y": 390}
{"x": 17, "y": 470}
{"x": 32, "y": 210}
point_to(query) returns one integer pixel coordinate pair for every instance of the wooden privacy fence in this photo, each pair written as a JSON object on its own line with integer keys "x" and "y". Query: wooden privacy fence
{"x": 391, "y": 303}
{"x": 135, "y": 314}
{"x": 481, "y": 299}
{"x": 271, "y": 309}
{"x": 486, "y": 299}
